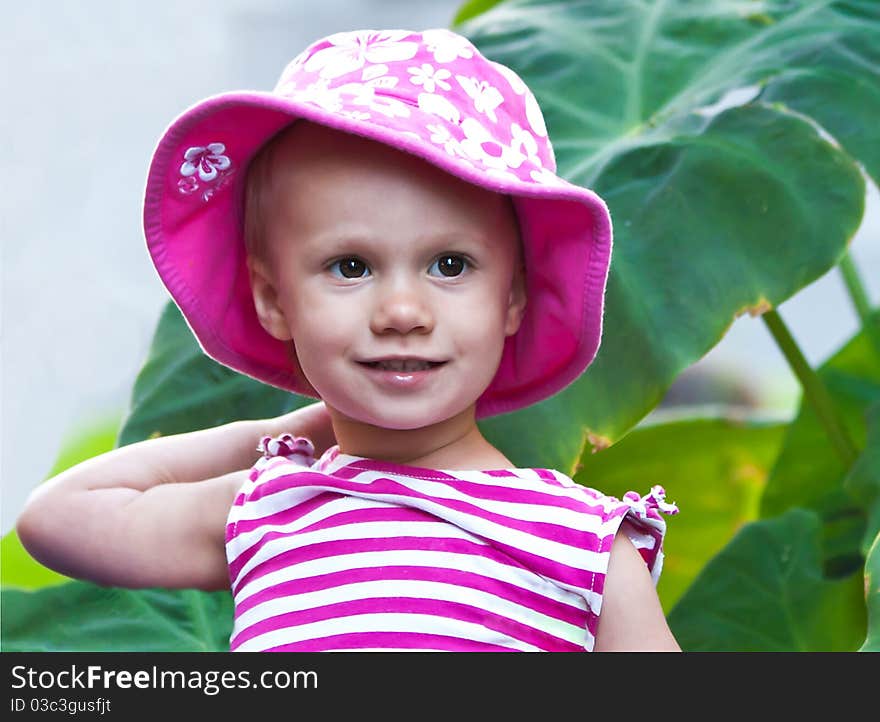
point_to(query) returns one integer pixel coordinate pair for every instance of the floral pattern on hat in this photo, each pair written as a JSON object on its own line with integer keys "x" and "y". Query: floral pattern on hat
{"x": 429, "y": 77}
{"x": 209, "y": 163}
{"x": 490, "y": 122}
{"x": 349, "y": 51}
{"x": 361, "y": 73}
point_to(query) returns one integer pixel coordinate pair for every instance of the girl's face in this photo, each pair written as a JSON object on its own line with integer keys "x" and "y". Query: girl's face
{"x": 376, "y": 255}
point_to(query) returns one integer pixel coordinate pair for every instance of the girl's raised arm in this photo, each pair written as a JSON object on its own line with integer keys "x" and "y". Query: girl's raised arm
{"x": 154, "y": 513}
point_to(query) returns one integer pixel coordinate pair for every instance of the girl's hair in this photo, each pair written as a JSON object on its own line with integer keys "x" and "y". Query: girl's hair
{"x": 257, "y": 189}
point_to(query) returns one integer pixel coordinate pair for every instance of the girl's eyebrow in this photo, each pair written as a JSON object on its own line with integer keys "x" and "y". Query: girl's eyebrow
{"x": 326, "y": 240}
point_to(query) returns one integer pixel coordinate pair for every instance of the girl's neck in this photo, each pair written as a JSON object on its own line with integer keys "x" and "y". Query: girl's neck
{"x": 455, "y": 443}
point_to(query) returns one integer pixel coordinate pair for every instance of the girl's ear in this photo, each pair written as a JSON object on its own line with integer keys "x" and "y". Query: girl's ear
{"x": 516, "y": 304}
{"x": 268, "y": 309}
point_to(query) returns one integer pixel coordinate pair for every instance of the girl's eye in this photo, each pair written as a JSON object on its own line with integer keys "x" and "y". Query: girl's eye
{"x": 350, "y": 267}
{"x": 450, "y": 265}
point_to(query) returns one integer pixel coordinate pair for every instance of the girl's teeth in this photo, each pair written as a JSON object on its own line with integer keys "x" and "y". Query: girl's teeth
{"x": 403, "y": 365}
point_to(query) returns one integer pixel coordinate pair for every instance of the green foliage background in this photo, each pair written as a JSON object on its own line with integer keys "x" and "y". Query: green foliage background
{"x": 724, "y": 203}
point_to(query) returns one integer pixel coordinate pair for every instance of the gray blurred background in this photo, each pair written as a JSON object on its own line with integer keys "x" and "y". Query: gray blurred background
{"x": 88, "y": 88}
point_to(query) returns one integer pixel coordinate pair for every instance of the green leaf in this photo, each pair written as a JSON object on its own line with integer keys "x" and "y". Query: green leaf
{"x": 714, "y": 468}
{"x": 83, "y": 617}
{"x": 180, "y": 389}
{"x": 20, "y": 570}
{"x": 765, "y": 592}
{"x": 838, "y": 86}
{"x": 872, "y": 597}
{"x": 714, "y": 215}
{"x": 472, "y": 8}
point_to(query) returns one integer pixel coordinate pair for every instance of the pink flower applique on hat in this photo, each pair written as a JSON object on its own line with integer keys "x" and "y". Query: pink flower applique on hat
{"x": 206, "y": 164}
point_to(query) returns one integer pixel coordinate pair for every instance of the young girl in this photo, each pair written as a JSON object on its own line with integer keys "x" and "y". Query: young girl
{"x": 384, "y": 231}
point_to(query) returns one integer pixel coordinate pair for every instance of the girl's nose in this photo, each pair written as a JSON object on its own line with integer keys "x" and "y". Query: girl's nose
{"x": 403, "y": 309}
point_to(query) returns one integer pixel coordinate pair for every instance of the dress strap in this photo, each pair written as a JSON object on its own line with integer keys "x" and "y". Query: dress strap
{"x": 655, "y": 499}
{"x": 296, "y": 448}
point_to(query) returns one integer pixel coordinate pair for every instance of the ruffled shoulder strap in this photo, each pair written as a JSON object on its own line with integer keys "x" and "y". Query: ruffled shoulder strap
{"x": 646, "y": 528}
{"x": 298, "y": 449}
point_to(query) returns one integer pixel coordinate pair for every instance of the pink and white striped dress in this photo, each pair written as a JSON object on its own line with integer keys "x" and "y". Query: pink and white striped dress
{"x": 348, "y": 553}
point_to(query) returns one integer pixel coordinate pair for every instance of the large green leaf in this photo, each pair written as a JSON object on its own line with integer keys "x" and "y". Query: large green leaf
{"x": 715, "y": 215}
{"x": 83, "y": 617}
{"x": 713, "y": 468}
{"x": 765, "y": 591}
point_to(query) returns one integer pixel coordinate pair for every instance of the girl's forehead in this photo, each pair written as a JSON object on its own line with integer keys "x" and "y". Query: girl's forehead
{"x": 410, "y": 207}
{"x": 313, "y": 162}
{"x": 331, "y": 187}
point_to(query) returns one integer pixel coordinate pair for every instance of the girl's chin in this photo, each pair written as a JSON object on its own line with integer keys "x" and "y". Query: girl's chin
{"x": 398, "y": 417}
{"x": 395, "y": 422}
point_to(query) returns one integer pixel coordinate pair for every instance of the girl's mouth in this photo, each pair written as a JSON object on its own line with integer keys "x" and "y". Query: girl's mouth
{"x": 403, "y": 365}
{"x": 404, "y": 375}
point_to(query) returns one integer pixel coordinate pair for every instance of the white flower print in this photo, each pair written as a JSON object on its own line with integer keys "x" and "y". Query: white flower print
{"x": 385, "y": 104}
{"x": 207, "y": 161}
{"x": 349, "y": 51}
{"x": 546, "y": 177}
{"x": 447, "y": 46}
{"x": 440, "y": 135}
{"x": 291, "y": 68}
{"x": 430, "y": 78}
{"x": 481, "y": 146}
{"x": 533, "y": 110}
{"x": 377, "y": 75}
{"x": 355, "y": 114}
{"x": 503, "y": 174}
{"x": 535, "y": 116}
{"x": 319, "y": 94}
{"x": 354, "y": 95}
{"x": 524, "y": 142}
{"x": 439, "y": 106}
{"x": 350, "y": 98}
{"x": 485, "y": 95}
{"x": 516, "y": 83}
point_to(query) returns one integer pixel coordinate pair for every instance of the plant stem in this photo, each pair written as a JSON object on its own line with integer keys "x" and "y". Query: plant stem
{"x": 855, "y": 287}
{"x": 859, "y": 297}
{"x": 814, "y": 390}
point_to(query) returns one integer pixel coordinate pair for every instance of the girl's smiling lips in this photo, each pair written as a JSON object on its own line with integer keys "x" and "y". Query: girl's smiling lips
{"x": 404, "y": 376}
{"x": 401, "y": 362}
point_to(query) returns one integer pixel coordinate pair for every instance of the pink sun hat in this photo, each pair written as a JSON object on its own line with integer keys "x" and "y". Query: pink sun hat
{"x": 430, "y": 93}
